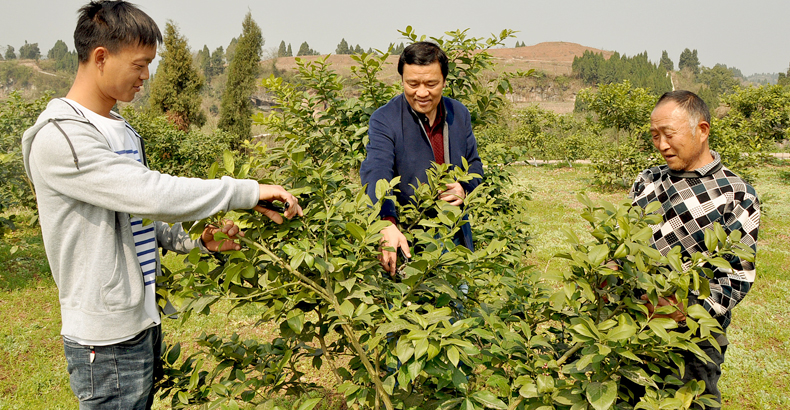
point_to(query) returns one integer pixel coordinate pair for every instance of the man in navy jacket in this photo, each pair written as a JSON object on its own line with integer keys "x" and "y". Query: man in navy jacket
{"x": 413, "y": 130}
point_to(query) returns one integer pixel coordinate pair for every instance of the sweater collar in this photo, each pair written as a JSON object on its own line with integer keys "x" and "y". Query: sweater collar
{"x": 707, "y": 169}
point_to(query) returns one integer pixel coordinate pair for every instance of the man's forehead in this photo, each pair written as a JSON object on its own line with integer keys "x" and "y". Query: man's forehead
{"x": 667, "y": 111}
{"x": 420, "y": 69}
{"x": 138, "y": 50}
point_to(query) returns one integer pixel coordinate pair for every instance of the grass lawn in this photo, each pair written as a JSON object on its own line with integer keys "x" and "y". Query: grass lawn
{"x": 756, "y": 371}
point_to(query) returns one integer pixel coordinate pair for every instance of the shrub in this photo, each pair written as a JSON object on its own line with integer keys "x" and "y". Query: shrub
{"x": 626, "y": 110}
{"x": 176, "y": 152}
{"x": 618, "y": 165}
{"x": 16, "y": 116}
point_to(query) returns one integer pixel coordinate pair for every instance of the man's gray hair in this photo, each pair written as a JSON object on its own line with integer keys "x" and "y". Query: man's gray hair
{"x": 693, "y": 105}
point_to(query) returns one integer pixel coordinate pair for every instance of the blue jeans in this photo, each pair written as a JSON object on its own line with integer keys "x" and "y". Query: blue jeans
{"x": 120, "y": 376}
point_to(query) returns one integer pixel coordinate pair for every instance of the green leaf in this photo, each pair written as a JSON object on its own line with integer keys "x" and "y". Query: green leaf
{"x": 567, "y": 398}
{"x": 637, "y": 375}
{"x": 720, "y": 234}
{"x": 487, "y": 399}
{"x": 296, "y": 323}
{"x": 347, "y": 308}
{"x": 230, "y": 164}
{"x": 212, "y": 171}
{"x": 355, "y": 230}
{"x": 601, "y": 395}
{"x": 467, "y": 405}
{"x": 585, "y": 361}
{"x": 720, "y": 263}
{"x": 598, "y": 254}
{"x": 404, "y": 350}
{"x": 628, "y": 355}
{"x": 697, "y": 311}
{"x": 545, "y": 384}
{"x": 659, "y": 330}
{"x": 420, "y": 348}
{"x": 643, "y": 235}
{"x": 460, "y": 380}
{"x": 453, "y": 355}
{"x": 382, "y": 188}
{"x": 710, "y": 240}
{"x": 528, "y": 391}
{"x": 173, "y": 354}
{"x": 183, "y": 397}
{"x": 652, "y": 207}
{"x": 309, "y": 404}
{"x": 621, "y": 332}
{"x": 297, "y": 260}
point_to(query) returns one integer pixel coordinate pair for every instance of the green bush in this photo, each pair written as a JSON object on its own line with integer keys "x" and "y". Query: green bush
{"x": 626, "y": 111}
{"x": 757, "y": 118}
{"x": 175, "y": 152}
{"x": 16, "y": 116}
{"x": 618, "y": 165}
{"x": 534, "y": 132}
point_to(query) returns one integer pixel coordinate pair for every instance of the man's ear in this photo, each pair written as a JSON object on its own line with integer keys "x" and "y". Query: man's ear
{"x": 704, "y": 129}
{"x": 100, "y": 55}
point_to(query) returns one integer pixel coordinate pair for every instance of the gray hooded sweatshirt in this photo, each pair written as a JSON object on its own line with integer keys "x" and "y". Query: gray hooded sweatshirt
{"x": 85, "y": 194}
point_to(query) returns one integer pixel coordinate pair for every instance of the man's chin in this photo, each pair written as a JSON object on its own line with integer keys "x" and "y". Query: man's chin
{"x": 127, "y": 98}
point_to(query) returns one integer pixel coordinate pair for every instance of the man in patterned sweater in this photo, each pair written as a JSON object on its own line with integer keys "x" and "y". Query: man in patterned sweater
{"x": 695, "y": 191}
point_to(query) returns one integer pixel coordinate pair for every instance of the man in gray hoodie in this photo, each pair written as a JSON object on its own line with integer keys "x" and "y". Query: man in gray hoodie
{"x": 95, "y": 192}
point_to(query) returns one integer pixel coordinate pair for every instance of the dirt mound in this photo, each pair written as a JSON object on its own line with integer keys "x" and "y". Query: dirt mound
{"x": 555, "y": 58}
{"x": 553, "y": 51}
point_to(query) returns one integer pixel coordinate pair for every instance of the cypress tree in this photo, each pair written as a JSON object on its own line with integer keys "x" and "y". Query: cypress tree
{"x": 282, "y": 51}
{"x": 231, "y": 50}
{"x": 217, "y": 65}
{"x": 236, "y": 107}
{"x": 688, "y": 59}
{"x": 290, "y": 52}
{"x": 204, "y": 62}
{"x": 666, "y": 63}
{"x": 175, "y": 91}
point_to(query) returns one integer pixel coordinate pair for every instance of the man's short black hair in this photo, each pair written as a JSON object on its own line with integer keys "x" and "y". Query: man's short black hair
{"x": 114, "y": 25}
{"x": 423, "y": 53}
{"x": 695, "y": 108}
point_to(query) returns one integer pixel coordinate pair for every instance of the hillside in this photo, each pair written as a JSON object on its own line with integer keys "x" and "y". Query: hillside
{"x": 553, "y": 58}
{"x": 550, "y": 58}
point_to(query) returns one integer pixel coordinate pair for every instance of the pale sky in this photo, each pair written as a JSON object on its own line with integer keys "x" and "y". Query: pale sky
{"x": 750, "y": 35}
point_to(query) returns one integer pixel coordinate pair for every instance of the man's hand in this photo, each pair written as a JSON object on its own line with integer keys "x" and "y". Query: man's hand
{"x": 278, "y": 193}
{"x": 454, "y": 194}
{"x": 230, "y": 229}
{"x": 392, "y": 237}
{"x": 677, "y": 315}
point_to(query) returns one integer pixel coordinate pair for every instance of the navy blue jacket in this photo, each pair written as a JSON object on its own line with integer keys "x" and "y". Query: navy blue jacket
{"x": 399, "y": 146}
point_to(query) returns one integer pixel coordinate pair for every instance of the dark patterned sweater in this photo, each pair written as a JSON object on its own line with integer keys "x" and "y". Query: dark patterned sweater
{"x": 691, "y": 201}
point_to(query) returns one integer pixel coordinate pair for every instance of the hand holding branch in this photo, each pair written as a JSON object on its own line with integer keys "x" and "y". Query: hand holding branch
{"x": 278, "y": 193}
